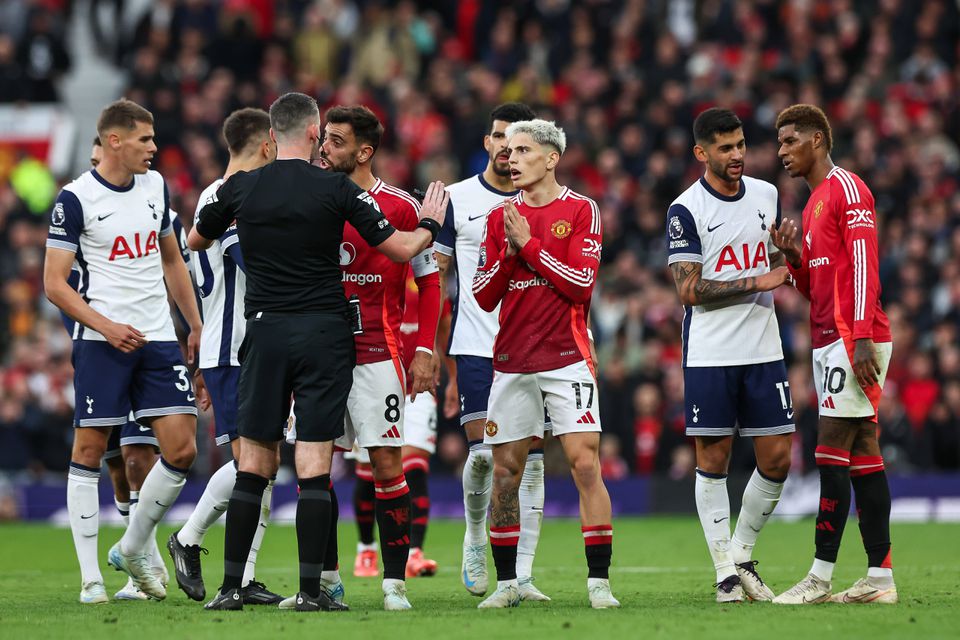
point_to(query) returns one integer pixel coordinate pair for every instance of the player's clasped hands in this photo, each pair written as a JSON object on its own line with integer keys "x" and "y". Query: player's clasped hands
{"x": 515, "y": 228}
{"x": 124, "y": 337}
{"x": 435, "y": 202}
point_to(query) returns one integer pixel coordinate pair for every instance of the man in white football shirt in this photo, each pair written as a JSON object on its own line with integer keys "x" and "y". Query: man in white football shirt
{"x": 114, "y": 222}
{"x": 735, "y": 379}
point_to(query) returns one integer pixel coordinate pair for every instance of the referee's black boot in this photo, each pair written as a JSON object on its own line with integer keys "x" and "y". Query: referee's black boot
{"x": 323, "y": 602}
{"x": 226, "y": 601}
{"x": 257, "y": 593}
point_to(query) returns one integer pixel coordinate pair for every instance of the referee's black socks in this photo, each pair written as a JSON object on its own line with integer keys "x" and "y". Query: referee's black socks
{"x": 313, "y": 530}
{"x": 332, "y": 557}
{"x": 243, "y": 515}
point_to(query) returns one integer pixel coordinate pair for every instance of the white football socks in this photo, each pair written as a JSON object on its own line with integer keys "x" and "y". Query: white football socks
{"x": 213, "y": 504}
{"x": 477, "y": 483}
{"x": 531, "y": 513}
{"x": 124, "y": 509}
{"x": 251, "y": 566}
{"x": 83, "y": 508}
{"x": 159, "y": 491}
{"x": 151, "y": 549}
{"x": 760, "y": 498}
{"x": 822, "y": 569}
{"x": 713, "y": 507}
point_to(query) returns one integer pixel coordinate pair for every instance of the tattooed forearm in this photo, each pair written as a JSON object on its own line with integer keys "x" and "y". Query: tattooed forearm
{"x": 715, "y": 291}
{"x": 505, "y": 507}
{"x": 693, "y": 289}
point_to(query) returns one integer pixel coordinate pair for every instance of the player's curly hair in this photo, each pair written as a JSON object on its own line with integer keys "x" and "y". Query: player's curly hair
{"x": 807, "y": 117}
{"x": 542, "y": 132}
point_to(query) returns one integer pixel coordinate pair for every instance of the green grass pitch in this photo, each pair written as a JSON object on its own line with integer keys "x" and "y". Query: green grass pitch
{"x": 661, "y": 573}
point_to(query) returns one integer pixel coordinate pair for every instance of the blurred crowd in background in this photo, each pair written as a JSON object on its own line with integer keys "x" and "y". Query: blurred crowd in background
{"x": 625, "y": 80}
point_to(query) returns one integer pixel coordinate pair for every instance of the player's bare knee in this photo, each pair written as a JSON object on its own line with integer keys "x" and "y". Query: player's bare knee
{"x": 182, "y": 457}
{"x": 776, "y": 466}
{"x": 585, "y": 470}
{"x": 507, "y": 476}
{"x": 88, "y": 454}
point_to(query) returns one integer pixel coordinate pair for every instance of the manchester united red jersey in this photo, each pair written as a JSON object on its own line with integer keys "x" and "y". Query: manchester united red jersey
{"x": 412, "y": 334}
{"x": 377, "y": 281}
{"x": 546, "y": 289}
{"x": 839, "y": 262}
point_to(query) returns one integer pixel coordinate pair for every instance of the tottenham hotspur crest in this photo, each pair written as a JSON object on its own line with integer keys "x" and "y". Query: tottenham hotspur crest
{"x": 89, "y": 405}
{"x": 696, "y": 410}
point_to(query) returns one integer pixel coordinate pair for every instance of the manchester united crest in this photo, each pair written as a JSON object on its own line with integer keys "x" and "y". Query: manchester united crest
{"x": 817, "y": 209}
{"x": 491, "y": 428}
{"x": 561, "y": 229}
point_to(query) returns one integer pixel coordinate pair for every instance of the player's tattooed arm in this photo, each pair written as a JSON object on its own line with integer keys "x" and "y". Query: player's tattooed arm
{"x": 695, "y": 290}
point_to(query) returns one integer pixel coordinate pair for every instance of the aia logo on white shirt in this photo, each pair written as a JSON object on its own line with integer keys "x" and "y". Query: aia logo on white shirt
{"x": 858, "y": 218}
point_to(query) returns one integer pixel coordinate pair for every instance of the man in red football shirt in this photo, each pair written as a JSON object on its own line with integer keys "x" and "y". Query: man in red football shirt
{"x": 538, "y": 260}
{"x": 375, "y": 405}
{"x": 836, "y": 266}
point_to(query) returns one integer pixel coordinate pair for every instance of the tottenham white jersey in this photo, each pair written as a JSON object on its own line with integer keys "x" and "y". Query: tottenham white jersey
{"x": 472, "y": 330}
{"x": 115, "y": 233}
{"x": 222, "y": 285}
{"x": 730, "y": 236}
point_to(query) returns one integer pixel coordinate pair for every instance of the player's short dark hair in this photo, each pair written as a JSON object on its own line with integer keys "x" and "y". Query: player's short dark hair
{"x": 512, "y": 112}
{"x": 244, "y": 128}
{"x": 96, "y": 142}
{"x": 364, "y": 122}
{"x": 124, "y": 114}
{"x": 713, "y": 121}
{"x": 289, "y": 111}
{"x": 806, "y": 117}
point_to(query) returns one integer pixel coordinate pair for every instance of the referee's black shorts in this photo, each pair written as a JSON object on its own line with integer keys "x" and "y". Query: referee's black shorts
{"x": 310, "y": 356}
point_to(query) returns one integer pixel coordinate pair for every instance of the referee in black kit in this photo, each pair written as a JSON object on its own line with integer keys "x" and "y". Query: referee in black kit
{"x": 290, "y": 216}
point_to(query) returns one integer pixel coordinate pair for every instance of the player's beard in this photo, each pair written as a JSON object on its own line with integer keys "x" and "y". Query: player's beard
{"x": 345, "y": 167}
{"x": 502, "y": 169}
{"x": 722, "y": 171}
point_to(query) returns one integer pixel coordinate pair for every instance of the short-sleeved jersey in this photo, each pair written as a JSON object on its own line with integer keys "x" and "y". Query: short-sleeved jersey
{"x": 222, "y": 285}
{"x": 115, "y": 233}
{"x": 730, "y": 237}
{"x": 472, "y": 329}
{"x": 840, "y": 262}
{"x": 546, "y": 289}
{"x": 379, "y": 282}
{"x": 290, "y": 216}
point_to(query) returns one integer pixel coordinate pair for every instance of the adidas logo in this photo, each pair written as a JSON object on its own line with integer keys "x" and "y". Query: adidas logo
{"x": 828, "y": 403}
{"x": 586, "y": 418}
{"x": 392, "y": 432}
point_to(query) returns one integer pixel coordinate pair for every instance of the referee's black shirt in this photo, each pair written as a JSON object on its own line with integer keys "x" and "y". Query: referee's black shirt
{"x": 290, "y": 216}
